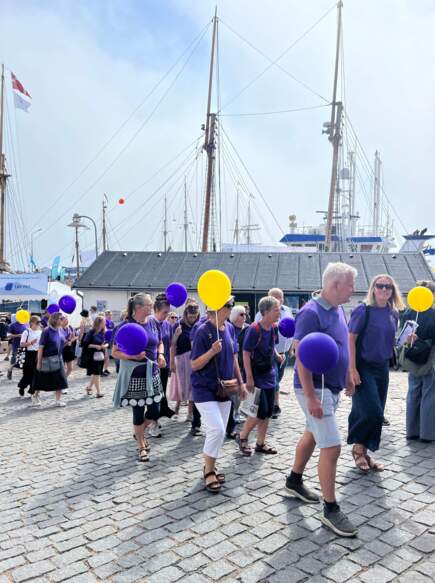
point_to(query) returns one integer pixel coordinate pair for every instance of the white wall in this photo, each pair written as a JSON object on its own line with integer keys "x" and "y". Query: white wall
{"x": 116, "y": 300}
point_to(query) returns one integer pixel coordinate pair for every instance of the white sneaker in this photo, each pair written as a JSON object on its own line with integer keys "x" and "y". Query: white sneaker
{"x": 154, "y": 431}
{"x": 60, "y": 404}
{"x": 35, "y": 402}
{"x": 64, "y": 391}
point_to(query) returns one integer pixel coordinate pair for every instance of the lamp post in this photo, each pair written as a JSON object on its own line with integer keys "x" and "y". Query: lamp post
{"x": 33, "y": 264}
{"x": 95, "y": 229}
{"x": 77, "y": 224}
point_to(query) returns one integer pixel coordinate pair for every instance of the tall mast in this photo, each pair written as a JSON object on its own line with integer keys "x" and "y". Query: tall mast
{"x": 104, "y": 237}
{"x": 377, "y": 194}
{"x": 334, "y": 131}
{"x": 236, "y": 228}
{"x": 209, "y": 143}
{"x": 186, "y": 222}
{"x": 3, "y": 178}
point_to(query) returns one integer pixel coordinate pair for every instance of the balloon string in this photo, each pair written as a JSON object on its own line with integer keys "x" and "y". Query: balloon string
{"x": 323, "y": 388}
{"x": 217, "y": 325}
{"x": 416, "y": 320}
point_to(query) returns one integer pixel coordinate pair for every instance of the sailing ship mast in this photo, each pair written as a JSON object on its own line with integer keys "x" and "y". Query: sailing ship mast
{"x": 334, "y": 131}
{"x": 4, "y": 266}
{"x": 209, "y": 144}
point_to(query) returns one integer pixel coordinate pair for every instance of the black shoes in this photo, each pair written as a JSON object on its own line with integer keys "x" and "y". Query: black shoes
{"x": 338, "y": 522}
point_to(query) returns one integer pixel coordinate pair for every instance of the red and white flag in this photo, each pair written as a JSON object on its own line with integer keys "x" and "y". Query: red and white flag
{"x": 22, "y": 97}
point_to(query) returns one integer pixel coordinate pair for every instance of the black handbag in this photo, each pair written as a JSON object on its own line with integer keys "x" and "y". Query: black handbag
{"x": 419, "y": 352}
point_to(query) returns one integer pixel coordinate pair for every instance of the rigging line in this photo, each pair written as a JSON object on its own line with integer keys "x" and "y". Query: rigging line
{"x": 150, "y": 178}
{"x": 148, "y": 210}
{"x": 287, "y": 50}
{"x": 130, "y": 141}
{"x": 196, "y": 40}
{"x": 275, "y": 112}
{"x": 265, "y": 225}
{"x": 219, "y": 189}
{"x": 274, "y": 63}
{"x": 113, "y": 233}
{"x": 372, "y": 174}
{"x": 158, "y": 189}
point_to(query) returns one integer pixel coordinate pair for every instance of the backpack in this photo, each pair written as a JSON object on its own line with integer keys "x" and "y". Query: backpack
{"x": 260, "y": 365}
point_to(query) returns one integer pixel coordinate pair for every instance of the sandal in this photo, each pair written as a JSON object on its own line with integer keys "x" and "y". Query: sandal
{"x": 143, "y": 455}
{"x": 232, "y": 435}
{"x": 220, "y": 477}
{"x": 359, "y": 455}
{"x": 147, "y": 443}
{"x": 375, "y": 466}
{"x": 88, "y": 391}
{"x": 100, "y": 396}
{"x": 243, "y": 445}
{"x": 264, "y": 448}
{"x": 213, "y": 486}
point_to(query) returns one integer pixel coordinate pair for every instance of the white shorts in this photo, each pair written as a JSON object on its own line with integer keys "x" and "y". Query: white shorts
{"x": 324, "y": 430}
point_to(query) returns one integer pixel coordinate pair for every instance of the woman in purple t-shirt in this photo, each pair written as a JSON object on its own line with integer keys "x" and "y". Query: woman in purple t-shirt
{"x": 50, "y": 371}
{"x": 372, "y": 332}
{"x": 213, "y": 357}
{"x": 134, "y": 387}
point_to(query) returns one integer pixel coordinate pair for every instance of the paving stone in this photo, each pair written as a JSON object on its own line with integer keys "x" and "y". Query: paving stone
{"x": 377, "y": 574}
{"x": 342, "y": 571}
{"x": 424, "y": 543}
{"x": 218, "y": 569}
{"x": 31, "y": 571}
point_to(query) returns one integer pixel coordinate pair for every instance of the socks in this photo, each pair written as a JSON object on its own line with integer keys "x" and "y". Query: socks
{"x": 295, "y": 477}
{"x": 331, "y": 506}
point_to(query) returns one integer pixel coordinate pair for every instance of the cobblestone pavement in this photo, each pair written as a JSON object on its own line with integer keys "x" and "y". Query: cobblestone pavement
{"x": 76, "y": 505}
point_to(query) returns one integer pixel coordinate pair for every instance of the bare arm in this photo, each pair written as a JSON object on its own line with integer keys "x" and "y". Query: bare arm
{"x": 306, "y": 378}
{"x": 353, "y": 374}
{"x": 247, "y": 364}
{"x": 205, "y": 358}
{"x": 116, "y": 353}
{"x": 39, "y": 358}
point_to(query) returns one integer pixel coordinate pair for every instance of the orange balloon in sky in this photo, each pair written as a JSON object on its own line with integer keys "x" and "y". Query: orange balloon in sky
{"x": 121, "y": 201}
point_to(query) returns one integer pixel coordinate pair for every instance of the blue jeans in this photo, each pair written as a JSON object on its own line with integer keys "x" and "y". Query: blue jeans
{"x": 368, "y": 405}
{"x": 420, "y": 407}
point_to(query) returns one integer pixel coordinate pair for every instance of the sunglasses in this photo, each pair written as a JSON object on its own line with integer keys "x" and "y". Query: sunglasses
{"x": 172, "y": 317}
{"x": 243, "y": 315}
{"x": 386, "y": 286}
{"x": 229, "y": 305}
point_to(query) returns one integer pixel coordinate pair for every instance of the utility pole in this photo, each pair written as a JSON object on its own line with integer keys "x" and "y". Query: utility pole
{"x": 334, "y": 131}
{"x": 209, "y": 143}
{"x": 377, "y": 194}
{"x": 104, "y": 234}
{"x": 186, "y": 222}
{"x": 4, "y": 266}
{"x": 165, "y": 226}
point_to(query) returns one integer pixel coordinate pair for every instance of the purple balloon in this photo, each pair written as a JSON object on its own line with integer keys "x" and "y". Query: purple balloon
{"x": 286, "y": 327}
{"x": 176, "y": 294}
{"x": 131, "y": 339}
{"x": 53, "y": 308}
{"x": 67, "y": 304}
{"x": 318, "y": 352}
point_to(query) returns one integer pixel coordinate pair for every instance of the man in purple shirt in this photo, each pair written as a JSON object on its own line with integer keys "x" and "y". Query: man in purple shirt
{"x": 324, "y": 313}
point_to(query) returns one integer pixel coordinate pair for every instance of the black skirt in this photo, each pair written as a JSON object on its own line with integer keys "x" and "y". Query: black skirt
{"x": 94, "y": 367}
{"x": 50, "y": 381}
{"x": 69, "y": 353}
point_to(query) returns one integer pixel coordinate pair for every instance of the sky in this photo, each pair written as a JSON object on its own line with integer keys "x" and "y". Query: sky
{"x": 94, "y": 128}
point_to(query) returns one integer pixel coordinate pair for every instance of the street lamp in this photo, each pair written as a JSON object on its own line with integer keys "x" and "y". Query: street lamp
{"x": 33, "y": 264}
{"x": 76, "y": 224}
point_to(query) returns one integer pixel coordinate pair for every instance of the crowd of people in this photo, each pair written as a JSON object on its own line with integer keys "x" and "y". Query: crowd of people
{"x": 223, "y": 367}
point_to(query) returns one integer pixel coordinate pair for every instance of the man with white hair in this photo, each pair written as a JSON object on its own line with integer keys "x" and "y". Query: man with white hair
{"x": 325, "y": 314}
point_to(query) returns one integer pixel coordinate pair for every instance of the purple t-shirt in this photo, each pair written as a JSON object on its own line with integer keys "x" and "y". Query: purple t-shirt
{"x": 261, "y": 345}
{"x": 52, "y": 341}
{"x": 195, "y": 327}
{"x": 68, "y": 332}
{"x": 204, "y": 381}
{"x": 378, "y": 339}
{"x": 151, "y": 348}
{"x": 165, "y": 331}
{"x": 110, "y": 326}
{"x": 319, "y": 316}
{"x": 237, "y": 332}
{"x": 16, "y": 328}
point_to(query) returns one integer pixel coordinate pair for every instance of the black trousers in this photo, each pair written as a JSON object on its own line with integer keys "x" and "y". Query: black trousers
{"x": 29, "y": 369}
{"x": 165, "y": 410}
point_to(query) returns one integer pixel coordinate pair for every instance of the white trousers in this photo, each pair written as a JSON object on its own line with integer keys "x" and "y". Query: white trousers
{"x": 214, "y": 415}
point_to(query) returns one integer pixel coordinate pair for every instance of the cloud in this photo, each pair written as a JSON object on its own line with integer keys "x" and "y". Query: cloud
{"x": 89, "y": 65}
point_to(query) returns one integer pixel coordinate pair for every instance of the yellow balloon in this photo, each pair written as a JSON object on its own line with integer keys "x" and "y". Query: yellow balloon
{"x": 23, "y": 316}
{"x": 420, "y": 299}
{"x": 214, "y": 288}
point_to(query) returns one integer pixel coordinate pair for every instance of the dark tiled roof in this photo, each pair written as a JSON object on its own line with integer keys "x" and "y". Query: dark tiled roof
{"x": 249, "y": 272}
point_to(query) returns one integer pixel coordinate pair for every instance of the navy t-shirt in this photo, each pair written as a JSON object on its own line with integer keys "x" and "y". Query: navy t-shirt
{"x": 183, "y": 341}
{"x": 205, "y": 381}
{"x": 261, "y": 344}
{"x": 16, "y": 328}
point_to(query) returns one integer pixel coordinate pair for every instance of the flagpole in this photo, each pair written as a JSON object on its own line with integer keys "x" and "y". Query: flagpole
{"x": 3, "y": 177}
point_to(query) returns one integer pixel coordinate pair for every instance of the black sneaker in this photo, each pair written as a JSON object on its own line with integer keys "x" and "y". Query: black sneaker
{"x": 9, "y": 375}
{"x": 276, "y": 412}
{"x": 385, "y": 422}
{"x": 338, "y": 522}
{"x": 300, "y": 491}
{"x": 21, "y": 392}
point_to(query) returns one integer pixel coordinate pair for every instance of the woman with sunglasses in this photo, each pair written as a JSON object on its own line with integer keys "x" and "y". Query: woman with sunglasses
{"x": 372, "y": 330}
{"x": 214, "y": 359}
{"x": 180, "y": 388}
